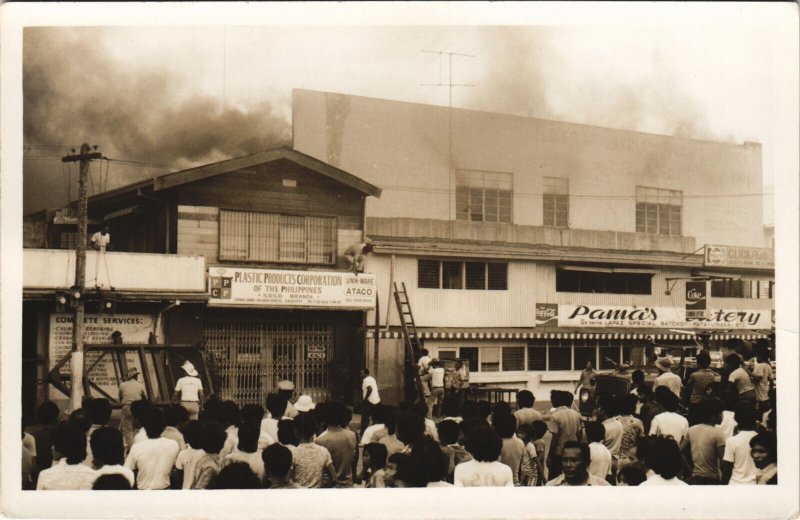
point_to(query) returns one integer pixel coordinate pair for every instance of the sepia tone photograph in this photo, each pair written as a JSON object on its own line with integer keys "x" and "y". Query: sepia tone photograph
{"x": 253, "y": 255}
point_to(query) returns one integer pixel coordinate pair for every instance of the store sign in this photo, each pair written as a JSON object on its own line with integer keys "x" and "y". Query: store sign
{"x": 317, "y": 352}
{"x": 660, "y": 317}
{"x": 695, "y": 301}
{"x": 135, "y": 328}
{"x": 230, "y": 286}
{"x": 730, "y": 256}
{"x": 546, "y": 315}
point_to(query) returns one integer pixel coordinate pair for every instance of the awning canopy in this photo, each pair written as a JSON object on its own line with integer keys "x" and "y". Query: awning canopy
{"x": 562, "y": 333}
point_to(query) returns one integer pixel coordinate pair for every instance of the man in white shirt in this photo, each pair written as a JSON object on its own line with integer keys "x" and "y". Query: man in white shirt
{"x": 670, "y": 423}
{"x": 369, "y": 393}
{"x": 101, "y": 239}
{"x": 154, "y": 457}
{"x": 436, "y": 372}
{"x": 667, "y": 377}
{"x": 189, "y": 389}
{"x": 737, "y": 465}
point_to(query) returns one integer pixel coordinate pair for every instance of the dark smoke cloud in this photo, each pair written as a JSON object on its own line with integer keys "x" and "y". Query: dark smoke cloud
{"x": 74, "y": 92}
{"x": 517, "y": 82}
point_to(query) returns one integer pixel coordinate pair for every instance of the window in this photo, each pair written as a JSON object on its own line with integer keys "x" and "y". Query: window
{"x": 760, "y": 289}
{"x": 483, "y": 196}
{"x": 537, "y": 357}
{"x": 428, "y": 274}
{"x": 513, "y": 358}
{"x": 475, "y": 274}
{"x": 560, "y": 355}
{"x": 447, "y": 354}
{"x": 490, "y": 359}
{"x": 610, "y": 350}
{"x": 556, "y": 202}
{"x": 568, "y": 280}
{"x": 435, "y": 274}
{"x": 470, "y": 354}
{"x": 584, "y": 353}
{"x": 451, "y": 275}
{"x": 497, "y": 276}
{"x": 658, "y": 211}
{"x": 271, "y": 237}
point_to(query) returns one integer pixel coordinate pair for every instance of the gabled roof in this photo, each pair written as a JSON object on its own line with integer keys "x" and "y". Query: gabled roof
{"x": 174, "y": 179}
{"x": 171, "y": 180}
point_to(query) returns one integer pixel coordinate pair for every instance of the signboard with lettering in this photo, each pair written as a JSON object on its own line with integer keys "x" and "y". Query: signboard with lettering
{"x": 135, "y": 328}
{"x": 547, "y": 315}
{"x": 232, "y": 286}
{"x": 732, "y": 256}
{"x": 695, "y": 301}
{"x": 660, "y": 317}
{"x": 318, "y": 352}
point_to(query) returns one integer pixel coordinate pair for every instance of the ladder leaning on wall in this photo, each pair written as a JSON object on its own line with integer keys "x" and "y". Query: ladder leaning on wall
{"x": 411, "y": 339}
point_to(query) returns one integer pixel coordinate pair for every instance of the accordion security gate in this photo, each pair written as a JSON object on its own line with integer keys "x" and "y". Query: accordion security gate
{"x": 247, "y": 359}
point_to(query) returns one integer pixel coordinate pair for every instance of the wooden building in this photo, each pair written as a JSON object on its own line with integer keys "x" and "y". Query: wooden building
{"x": 277, "y": 300}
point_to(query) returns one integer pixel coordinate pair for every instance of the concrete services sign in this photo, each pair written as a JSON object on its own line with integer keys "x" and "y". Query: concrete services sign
{"x": 730, "y": 256}
{"x": 230, "y": 286}
{"x": 661, "y": 317}
{"x": 135, "y": 328}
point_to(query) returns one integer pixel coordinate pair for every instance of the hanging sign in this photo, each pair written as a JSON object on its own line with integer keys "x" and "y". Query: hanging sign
{"x": 695, "y": 301}
{"x": 731, "y": 256}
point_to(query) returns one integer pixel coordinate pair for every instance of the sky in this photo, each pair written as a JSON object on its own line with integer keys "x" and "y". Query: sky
{"x": 178, "y": 96}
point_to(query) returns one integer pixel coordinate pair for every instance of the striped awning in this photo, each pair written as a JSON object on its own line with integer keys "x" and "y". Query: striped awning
{"x": 551, "y": 333}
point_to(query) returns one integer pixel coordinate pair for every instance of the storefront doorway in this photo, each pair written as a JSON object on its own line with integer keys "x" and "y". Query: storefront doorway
{"x": 248, "y": 358}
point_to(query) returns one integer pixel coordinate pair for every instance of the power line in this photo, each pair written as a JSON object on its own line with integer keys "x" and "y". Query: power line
{"x": 580, "y": 196}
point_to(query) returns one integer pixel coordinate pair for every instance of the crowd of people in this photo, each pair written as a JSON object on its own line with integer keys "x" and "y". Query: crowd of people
{"x": 724, "y": 434}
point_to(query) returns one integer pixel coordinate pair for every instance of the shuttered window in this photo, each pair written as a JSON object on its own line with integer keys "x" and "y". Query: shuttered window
{"x": 513, "y": 358}
{"x": 270, "y": 237}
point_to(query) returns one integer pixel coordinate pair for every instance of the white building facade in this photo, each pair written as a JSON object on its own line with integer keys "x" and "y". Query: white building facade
{"x": 530, "y": 247}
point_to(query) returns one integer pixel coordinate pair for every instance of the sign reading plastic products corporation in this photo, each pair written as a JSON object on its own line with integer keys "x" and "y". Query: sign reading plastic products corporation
{"x": 661, "y": 317}
{"x": 730, "y": 256}
{"x": 231, "y": 286}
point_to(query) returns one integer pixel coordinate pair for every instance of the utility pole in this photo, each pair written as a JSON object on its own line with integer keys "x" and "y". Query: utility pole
{"x": 450, "y": 86}
{"x": 77, "y": 290}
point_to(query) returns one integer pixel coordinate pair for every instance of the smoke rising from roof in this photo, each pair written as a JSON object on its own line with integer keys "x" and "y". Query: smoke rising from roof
{"x": 75, "y": 92}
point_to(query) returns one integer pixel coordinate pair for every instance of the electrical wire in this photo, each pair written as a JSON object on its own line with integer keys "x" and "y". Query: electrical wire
{"x": 580, "y": 196}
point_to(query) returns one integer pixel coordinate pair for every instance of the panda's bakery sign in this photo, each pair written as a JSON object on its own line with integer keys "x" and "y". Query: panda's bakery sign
{"x": 660, "y": 317}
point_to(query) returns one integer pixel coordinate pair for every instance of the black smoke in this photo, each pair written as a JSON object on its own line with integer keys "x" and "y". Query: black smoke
{"x": 73, "y": 91}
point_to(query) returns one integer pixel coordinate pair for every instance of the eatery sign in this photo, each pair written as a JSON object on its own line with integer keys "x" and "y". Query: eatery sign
{"x": 746, "y": 257}
{"x": 231, "y": 286}
{"x": 661, "y": 317}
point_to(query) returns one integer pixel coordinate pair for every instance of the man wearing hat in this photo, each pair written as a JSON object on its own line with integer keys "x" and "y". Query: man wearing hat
{"x": 190, "y": 390}
{"x": 130, "y": 390}
{"x": 667, "y": 377}
{"x": 304, "y": 404}
{"x": 286, "y": 389}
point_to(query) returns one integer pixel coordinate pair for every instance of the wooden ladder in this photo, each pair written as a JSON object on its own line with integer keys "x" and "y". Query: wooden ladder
{"x": 410, "y": 337}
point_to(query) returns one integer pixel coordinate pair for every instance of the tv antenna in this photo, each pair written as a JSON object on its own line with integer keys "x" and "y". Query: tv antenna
{"x": 449, "y": 86}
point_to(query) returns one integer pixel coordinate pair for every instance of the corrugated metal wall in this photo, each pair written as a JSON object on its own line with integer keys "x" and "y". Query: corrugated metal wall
{"x": 457, "y": 307}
